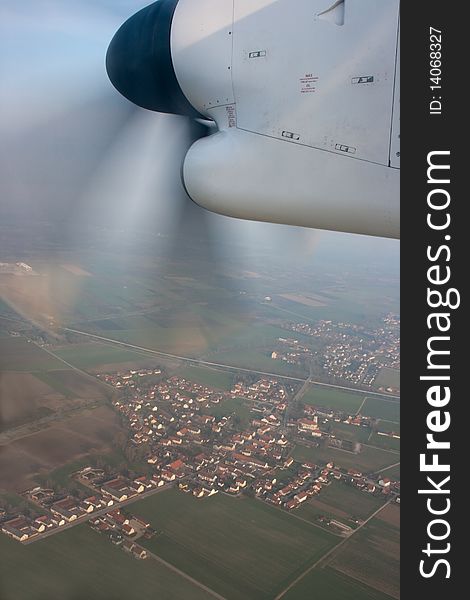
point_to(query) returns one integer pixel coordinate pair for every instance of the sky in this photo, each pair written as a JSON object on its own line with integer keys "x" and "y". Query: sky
{"x": 74, "y": 152}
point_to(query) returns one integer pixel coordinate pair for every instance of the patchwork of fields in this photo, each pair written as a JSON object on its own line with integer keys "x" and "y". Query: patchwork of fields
{"x": 326, "y": 582}
{"x": 221, "y": 380}
{"x": 348, "y": 402}
{"x": 78, "y": 564}
{"x": 257, "y": 360}
{"x": 341, "y": 501}
{"x": 17, "y": 354}
{"x": 372, "y": 556}
{"x": 368, "y": 460}
{"x": 89, "y": 431}
{"x": 241, "y": 548}
{"x": 378, "y": 408}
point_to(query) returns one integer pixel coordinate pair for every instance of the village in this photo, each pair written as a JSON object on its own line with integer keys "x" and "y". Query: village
{"x": 170, "y": 426}
{"x": 351, "y": 353}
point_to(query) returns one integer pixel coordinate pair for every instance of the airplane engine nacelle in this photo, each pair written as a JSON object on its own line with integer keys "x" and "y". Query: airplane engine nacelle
{"x": 305, "y": 96}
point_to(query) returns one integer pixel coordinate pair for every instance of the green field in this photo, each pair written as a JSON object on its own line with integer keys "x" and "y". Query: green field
{"x": 17, "y": 354}
{"x": 372, "y": 556}
{"x": 353, "y": 433}
{"x": 11, "y": 498}
{"x": 233, "y": 406}
{"x": 240, "y": 547}
{"x": 325, "y": 583}
{"x": 388, "y": 378}
{"x": 91, "y": 354}
{"x": 222, "y": 380}
{"x": 368, "y": 460}
{"x": 263, "y": 336}
{"x": 345, "y": 498}
{"x": 393, "y": 473}
{"x": 187, "y": 328}
{"x": 341, "y": 400}
{"x": 175, "y": 340}
{"x": 286, "y": 475}
{"x": 381, "y": 409}
{"x": 53, "y": 380}
{"x": 258, "y": 360}
{"x": 388, "y": 426}
{"x": 80, "y": 564}
{"x": 384, "y": 441}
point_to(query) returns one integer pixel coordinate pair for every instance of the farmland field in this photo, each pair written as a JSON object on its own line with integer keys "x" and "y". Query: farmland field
{"x": 221, "y": 380}
{"x": 91, "y": 354}
{"x": 341, "y": 400}
{"x": 342, "y": 498}
{"x": 372, "y": 556}
{"x": 17, "y": 354}
{"x": 388, "y": 426}
{"x": 24, "y": 398}
{"x": 381, "y": 409}
{"x": 258, "y": 360}
{"x": 388, "y": 378}
{"x": 113, "y": 458}
{"x": 185, "y": 340}
{"x": 353, "y": 433}
{"x": 368, "y": 460}
{"x": 241, "y": 548}
{"x": 236, "y": 406}
{"x": 391, "y": 515}
{"x": 384, "y": 441}
{"x": 80, "y": 563}
{"x": 182, "y": 329}
{"x": 329, "y": 584}
{"x": 393, "y": 473}
{"x": 73, "y": 384}
{"x": 88, "y": 431}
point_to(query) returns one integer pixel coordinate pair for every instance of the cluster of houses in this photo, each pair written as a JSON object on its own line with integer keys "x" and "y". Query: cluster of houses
{"x": 352, "y": 352}
{"x": 22, "y": 528}
{"x": 60, "y": 510}
{"x": 123, "y": 530}
{"x": 128, "y": 379}
{"x": 306, "y": 480}
{"x": 291, "y": 351}
{"x": 379, "y": 486}
{"x": 202, "y": 454}
{"x": 263, "y": 390}
{"x": 311, "y": 425}
{"x": 230, "y": 463}
{"x": 167, "y": 412}
{"x": 172, "y": 417}
{"x": 230, "y": 460}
